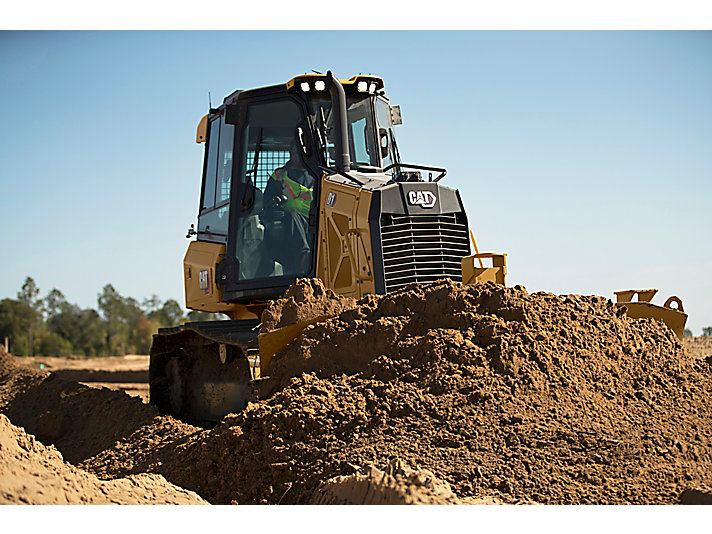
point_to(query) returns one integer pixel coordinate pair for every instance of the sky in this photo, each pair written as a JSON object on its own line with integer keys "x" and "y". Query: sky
{"x": 585, "y": 156}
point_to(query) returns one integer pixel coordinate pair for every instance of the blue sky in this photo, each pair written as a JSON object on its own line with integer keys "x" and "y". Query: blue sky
{"x": 583, "y": 155}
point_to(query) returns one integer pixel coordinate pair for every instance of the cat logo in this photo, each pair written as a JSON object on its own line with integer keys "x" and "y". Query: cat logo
{"x": 425, "y": 199}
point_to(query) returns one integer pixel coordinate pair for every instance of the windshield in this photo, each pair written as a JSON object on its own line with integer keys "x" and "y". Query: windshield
{"x": 360, "y": 118}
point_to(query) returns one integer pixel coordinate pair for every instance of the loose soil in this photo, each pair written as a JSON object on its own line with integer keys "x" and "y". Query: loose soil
{"x": 126, "y": 373}
{"x": 33, "y": 473}
{"x": 499, "y": 394}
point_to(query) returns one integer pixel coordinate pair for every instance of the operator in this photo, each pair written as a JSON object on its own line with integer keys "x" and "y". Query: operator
{"x": 290, "y": 191}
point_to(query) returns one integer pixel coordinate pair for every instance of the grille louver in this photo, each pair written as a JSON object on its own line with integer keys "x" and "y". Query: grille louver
{"x": 422, "y": 248}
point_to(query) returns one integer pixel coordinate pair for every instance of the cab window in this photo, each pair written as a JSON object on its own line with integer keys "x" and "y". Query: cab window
{"x": 273, "y": 237}
{"x": 215, "y": 208}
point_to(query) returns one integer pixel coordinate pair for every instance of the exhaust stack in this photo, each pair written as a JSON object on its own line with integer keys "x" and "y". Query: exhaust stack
{"x": 338, "y": 108}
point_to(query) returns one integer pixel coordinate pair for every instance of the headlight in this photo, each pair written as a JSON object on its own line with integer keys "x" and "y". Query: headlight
{"x": 362, "y": 87}
{"x": 305, "y": 87}
{"x": 320, "y": 85}
{"x": 372, "y": 87}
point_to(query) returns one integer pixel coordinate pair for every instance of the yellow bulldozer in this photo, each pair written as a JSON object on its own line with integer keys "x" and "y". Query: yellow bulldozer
{"x": 303, "y": 180}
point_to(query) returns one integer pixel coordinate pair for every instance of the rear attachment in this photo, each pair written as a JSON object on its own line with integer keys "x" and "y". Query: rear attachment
{"x": 199, "y": 372}
{"x": 675, "y": 318}
{"x": 478, "y": 274}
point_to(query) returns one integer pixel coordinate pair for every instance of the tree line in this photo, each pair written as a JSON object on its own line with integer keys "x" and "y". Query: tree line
{"x": 53, "y": 326}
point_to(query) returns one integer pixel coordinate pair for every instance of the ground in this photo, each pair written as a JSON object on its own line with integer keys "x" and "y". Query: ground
{"x": 438, "y": 394}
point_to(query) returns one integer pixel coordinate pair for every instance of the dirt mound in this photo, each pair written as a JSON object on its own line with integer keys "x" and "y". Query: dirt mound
{"x": 306, "y": 299}
{"x": 80, "y": 421}
{"x": 397, "y": 484}
{"x": 555, "y": 399}
{"x": 35, "y": 474}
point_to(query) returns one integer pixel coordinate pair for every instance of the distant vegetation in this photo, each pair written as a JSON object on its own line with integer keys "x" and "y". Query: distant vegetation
{"x": 52, "y": 326}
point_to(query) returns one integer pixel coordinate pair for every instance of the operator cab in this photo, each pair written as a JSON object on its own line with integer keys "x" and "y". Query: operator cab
{"x": 266, "y": 150}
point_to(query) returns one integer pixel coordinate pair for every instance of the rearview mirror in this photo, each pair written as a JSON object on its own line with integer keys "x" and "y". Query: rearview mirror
{"x": 396, "y": 117}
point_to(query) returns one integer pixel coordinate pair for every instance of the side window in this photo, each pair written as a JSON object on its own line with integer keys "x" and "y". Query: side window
{"x": 213, "y": 217}
{"x": 224, "y": 163}
{"x": 383, "y": 116}
{"x": 211, "y": 166}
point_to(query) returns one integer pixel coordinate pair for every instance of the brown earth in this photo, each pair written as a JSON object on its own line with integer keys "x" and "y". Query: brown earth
{"x": 304, "y": 300}
{"x": 126, "y": 373}
{"x": 499, "y": 394}
{"x": 398, "y": 484}
{"x": 33, "y": 473}
{"x": 700, "y": 347}
{"x": 80, "y": 421}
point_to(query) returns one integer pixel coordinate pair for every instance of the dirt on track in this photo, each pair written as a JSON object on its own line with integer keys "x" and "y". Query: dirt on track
{"x": 500, "y": 394}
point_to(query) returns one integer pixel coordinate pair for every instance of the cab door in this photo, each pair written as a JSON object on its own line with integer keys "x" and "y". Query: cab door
{"x": 270, "y": 243}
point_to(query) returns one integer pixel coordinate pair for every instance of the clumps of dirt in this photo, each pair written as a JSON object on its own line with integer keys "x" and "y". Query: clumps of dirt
{"x": 152, "y": 448}
{"x": 80, "y": 421}
{"x": 396, "y": 484}
{"x": 33, "y": 473}
{"x": 306, "y": 299}
{"x": 559, "y": 399}
{"x": 15, "y": 379}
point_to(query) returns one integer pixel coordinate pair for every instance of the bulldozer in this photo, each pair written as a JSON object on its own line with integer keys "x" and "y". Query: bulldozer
{"x": 301, "y": 179}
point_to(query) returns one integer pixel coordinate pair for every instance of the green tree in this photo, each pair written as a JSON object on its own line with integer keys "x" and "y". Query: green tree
{"x": 169, "y": 314}
{"x": 111, "y": 307}
{"x": 151, "y": 304}
{"x": 91, "y": 338}
{"x": 687, "y": 333}
{"x": 12, "y": 325}
{"x": 53, "y": 302}
{"x": 31, "y": 310}
{"x": 138, "y": 339}
{"x": 50, "y": 343}
{"x": 707, "y": 331}
{"x": 197, "y": 315}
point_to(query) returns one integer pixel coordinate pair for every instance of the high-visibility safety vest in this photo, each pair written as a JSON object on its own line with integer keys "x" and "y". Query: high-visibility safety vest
{"x": 299, "y": 197}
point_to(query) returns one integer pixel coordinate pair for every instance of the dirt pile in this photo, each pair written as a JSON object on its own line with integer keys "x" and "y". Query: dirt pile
{"x": 306, "y": 299}
{"x": 397, "y": 484}
{"x": 557, "y": 399}
{"x": 32, "y": 473}
{"x": 80, "y": 421}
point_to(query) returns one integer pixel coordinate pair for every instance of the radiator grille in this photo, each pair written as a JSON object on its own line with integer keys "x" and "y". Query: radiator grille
{"x": 422, "y": 248}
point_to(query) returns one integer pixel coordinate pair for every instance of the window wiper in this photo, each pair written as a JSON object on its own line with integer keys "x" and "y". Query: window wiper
{"x": 250, "y": 187}
{"x": 323, "y": 134}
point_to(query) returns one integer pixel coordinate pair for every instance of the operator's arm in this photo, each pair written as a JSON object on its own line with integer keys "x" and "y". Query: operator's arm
{"x": 273, "y": 193}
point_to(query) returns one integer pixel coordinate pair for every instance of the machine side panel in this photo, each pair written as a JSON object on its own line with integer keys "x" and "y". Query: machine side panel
{"x": 201, "y": 292}
{"x": 344, "y": 256}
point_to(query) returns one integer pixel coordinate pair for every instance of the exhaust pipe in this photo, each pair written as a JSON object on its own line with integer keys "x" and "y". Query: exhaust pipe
{"x": 338, "y": 108}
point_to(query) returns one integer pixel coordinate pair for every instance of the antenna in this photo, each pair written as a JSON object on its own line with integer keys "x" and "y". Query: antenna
{"x": 317, "y": 72}
{"x": 210, "y": 101}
